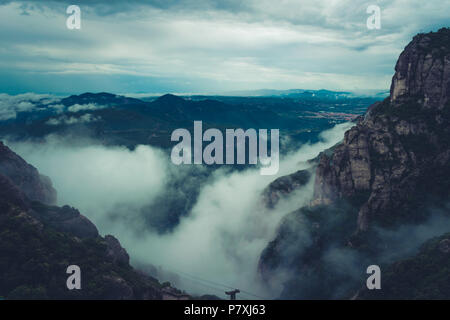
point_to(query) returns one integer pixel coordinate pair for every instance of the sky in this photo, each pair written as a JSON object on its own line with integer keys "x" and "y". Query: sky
{"x": 206, "y": 46}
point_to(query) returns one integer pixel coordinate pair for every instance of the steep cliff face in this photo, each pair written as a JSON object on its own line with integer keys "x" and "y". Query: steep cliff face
{"x": 399, "y": 153}
{"x": 423, "y": 70}
{"x": 390, "y": 169}
{"x": 39, "y": 241}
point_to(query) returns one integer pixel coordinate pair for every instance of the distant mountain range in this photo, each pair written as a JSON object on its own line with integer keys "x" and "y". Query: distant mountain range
{"x": 302, "y": 93}
{"x": 120, "y": 120}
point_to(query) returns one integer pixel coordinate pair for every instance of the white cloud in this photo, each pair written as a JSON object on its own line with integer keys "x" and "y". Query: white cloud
{"x": 57, "y": 108}
{"x": 70, "y": 120}
{"x": 82, "y": 107}
{"x": 11, "y": 105}
{"x": 96, "y": 179}
{"x": 228, "y": 227}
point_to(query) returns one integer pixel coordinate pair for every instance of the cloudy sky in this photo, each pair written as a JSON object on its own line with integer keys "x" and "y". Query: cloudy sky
{"x": 206, "y": 46}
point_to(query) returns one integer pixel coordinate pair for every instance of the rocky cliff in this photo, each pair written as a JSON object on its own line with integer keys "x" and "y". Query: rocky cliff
{"x": 390, "y": 169}
{"x": 38, "y": 241}
{"x": 398, "y": 154}
{"x": 423, "y": 71}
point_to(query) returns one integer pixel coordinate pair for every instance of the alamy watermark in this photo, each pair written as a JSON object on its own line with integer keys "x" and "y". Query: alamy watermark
{"x": 74, "y": 20}
{"x": 374, "y": 280}
{"x": 374, "y": 20}
{"x": 239, "y": 147}
{"x": 74, "y": 280}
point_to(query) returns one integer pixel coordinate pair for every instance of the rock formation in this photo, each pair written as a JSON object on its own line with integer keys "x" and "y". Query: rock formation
{"x": 400, "y": 150}
{"x": 283, "y": 186}
{"x": 391, "y": 167}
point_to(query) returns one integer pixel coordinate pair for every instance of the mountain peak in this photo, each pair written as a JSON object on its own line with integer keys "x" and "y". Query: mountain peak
{"x": 169, "y": 98}
{"x": 422, "y": 70}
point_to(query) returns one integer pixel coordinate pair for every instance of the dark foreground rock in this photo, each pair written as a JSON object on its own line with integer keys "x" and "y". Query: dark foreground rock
{"x": 26, "y": 177}
{"x": 39, "y": 241}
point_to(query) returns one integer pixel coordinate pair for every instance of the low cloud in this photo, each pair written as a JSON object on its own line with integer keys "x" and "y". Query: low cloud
{"x": 70, "y": 120}
{"x": 83, "y": 107}
{"x": 11, "y": 105}
{"x": 312, "y": 266}
{"x": 224, "y": 232}
{"x": 97, "y": 179}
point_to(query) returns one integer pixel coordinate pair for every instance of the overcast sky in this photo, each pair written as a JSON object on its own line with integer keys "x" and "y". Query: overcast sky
{"x": 206, "y": 46}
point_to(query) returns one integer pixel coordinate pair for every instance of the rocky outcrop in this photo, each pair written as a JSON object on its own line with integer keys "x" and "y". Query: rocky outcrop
{"x": 115, "y": 251}
{"x": 401, "y": 148}
{"x": 423, "y": 70}
{"x": 10, "y": 193}
{"x": 34, "y": 185}
{"x": 65, "y": 219}
{"x": 284, "y": 186}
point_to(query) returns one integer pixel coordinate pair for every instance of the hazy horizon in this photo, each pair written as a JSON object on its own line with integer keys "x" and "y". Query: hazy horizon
{"x": 237, "y": 93}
